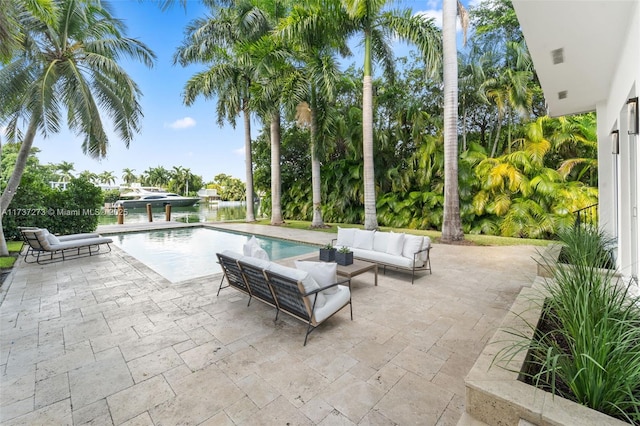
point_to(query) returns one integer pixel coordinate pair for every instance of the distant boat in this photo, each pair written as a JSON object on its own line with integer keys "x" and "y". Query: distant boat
{"x": 136, "y": 200}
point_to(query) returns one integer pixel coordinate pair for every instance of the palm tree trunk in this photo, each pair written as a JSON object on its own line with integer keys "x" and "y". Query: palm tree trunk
{"x": 495, "y": 143}
{"x": 16, "y": 176}
{"x": 276, "y": 208}
{"x": 451, "y": 223}
{"x": 370, "y": 215}
{"x": 317, "y": 221}
{"x": 248, "y": 161}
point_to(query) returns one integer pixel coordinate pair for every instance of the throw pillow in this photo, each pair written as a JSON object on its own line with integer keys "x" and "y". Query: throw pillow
{"x": 363, "y": 239}
{"x": 345, "y": 236}
{"x": 412, "y": 244}
{"x": 396, "y": 242}
{"x": 252, "y": 248}
{"x": 324, "y": 273}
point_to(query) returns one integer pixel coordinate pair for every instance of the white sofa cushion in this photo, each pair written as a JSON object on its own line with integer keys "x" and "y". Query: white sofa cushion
{"x": 380, "y": 241}
{"x": 396, "y": 243}
{"x": 254, "y": 261}
{"x": 303, "y": 277}
{"x": 232, "y": 254}
{"x": 345, "y": 236}
{"x": 363, "y": 239}
{"x": 389, "y": 259}
{"x": 333, "y": 303}
{"x": 425, "y": 244}
{"x": 412, "y": 244}
{"x": 324, "y": 273}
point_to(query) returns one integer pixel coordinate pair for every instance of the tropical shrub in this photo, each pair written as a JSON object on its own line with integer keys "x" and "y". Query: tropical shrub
{"x": 69, "y": 211}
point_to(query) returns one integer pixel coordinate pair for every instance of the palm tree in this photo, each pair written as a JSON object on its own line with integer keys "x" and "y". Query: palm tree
{"x": 274, "y": 81}
{"x": 509, "y": 89}
{"x": 65, "y": 169}
{"x": 11, "y": 35}
{"x": 157, "y": 176}
{"x": 90, "y": 176}
{"x": 107, "y": 178}
{"x": 43, "y": 79}
{"x": 377, "y": 27}
{"x": 451, "y": 223}
{"x": 217, "y": 41}
{"x": 315, "y": 38}
{"x": 128, "y": 176}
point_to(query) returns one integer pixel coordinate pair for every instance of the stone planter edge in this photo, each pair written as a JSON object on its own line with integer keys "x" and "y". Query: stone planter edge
{"x": 495, "y": 396}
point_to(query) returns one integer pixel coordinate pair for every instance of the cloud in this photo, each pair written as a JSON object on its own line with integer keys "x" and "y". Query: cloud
{"x": 432, "y": 13}
{"x": 436, "y": 14}
{"x": 182, "y": 123}
{"x": 239, "y": 151}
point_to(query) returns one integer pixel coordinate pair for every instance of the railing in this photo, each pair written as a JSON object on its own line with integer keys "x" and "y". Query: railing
{"x": 587, "y": 215}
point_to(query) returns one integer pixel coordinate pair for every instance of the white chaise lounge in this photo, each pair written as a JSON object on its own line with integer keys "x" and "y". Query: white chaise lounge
{"x": 47, "y": 248}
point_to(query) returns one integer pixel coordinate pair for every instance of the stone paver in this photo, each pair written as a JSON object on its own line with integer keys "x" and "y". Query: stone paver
{"x": 106, "y": 340}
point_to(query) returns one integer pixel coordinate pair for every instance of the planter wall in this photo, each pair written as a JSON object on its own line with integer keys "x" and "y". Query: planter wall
{"x": 495, "y": 396}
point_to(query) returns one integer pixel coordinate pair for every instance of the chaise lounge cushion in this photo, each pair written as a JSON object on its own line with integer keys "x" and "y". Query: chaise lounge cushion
{"x": 53, "y": 240}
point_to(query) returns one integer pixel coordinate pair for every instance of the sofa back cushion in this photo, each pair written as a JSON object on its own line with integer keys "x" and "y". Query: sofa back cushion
{"x": 303, "y": 277}
{"x": 345, "y": 236}
{"x": 426, "y": 243}
{"x": 412, "y": 244}
{"x": 396, "y": 243}
{"x": 324, "y": 273}
{"x": 380, "y": 241}
{"x": 254, "y": 261}
{"x": 363, "y": 239}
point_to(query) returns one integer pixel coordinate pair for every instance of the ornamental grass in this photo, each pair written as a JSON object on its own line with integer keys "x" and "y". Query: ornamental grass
{"x": 586, "y": 346}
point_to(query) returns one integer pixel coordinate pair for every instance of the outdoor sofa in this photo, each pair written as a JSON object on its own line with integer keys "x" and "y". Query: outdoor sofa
{"x": 397, "y": 250}
{"x": 44, "y": 247}
{"x": 296, "y": 292}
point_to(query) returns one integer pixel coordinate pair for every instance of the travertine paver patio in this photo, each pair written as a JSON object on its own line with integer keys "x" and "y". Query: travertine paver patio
{"x": 105, "y": 340}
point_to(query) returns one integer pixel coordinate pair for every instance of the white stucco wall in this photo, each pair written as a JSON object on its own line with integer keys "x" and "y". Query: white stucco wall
{"x": 612, "y": 114}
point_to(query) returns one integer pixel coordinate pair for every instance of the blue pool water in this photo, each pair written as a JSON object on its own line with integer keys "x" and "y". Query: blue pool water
{"x": 181, "y": 254}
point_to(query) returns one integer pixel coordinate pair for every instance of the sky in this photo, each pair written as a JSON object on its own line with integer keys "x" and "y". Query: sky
{"x": 173, "y": 134}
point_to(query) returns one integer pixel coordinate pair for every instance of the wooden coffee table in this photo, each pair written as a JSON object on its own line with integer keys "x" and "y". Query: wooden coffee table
{"x": 358, "y": 267}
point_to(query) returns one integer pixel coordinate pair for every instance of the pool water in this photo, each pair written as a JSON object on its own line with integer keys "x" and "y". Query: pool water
{"x": 186, "y": 253}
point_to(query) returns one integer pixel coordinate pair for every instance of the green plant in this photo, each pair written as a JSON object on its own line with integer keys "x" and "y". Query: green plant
{"x": 328, "y": 246}
{"x": 344, "y": 249}
{"x": 111, "y": 195}
{"x": 586, "y": 348}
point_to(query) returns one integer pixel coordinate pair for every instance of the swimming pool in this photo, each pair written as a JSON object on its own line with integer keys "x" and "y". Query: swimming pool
{"x": 186, "y": 253}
